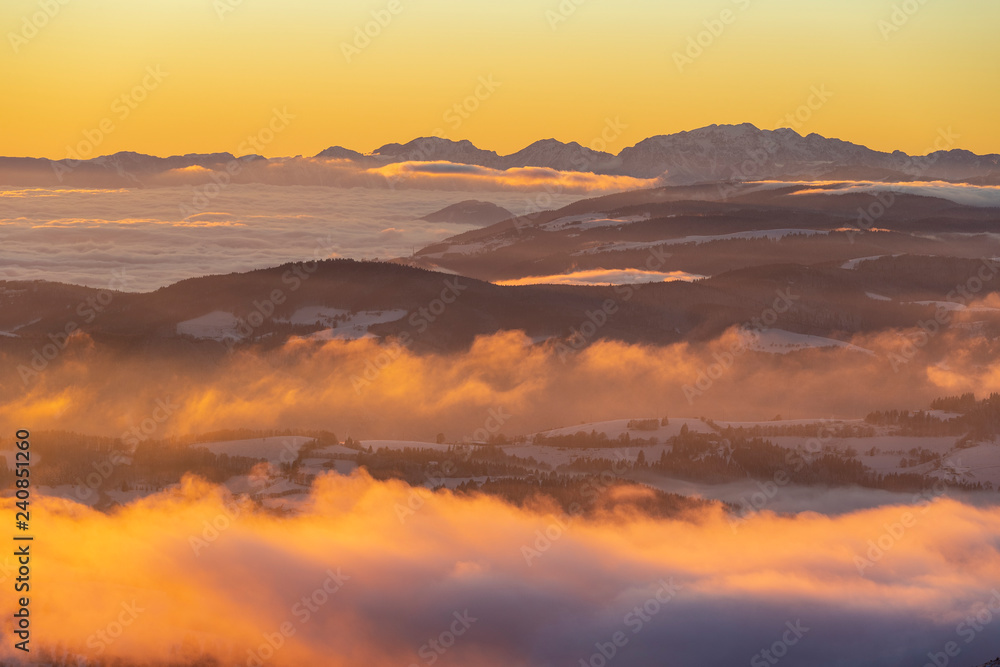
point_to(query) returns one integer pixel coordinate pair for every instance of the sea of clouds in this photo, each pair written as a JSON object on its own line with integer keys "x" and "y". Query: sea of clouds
{"x": 89, "y": 237}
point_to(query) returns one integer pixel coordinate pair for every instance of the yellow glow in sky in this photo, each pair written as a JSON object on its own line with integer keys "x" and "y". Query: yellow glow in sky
{"x": 178, "y": 76}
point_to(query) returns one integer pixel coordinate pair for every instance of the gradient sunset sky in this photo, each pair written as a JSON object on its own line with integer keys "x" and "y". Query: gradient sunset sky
{"x": 230, "y": 63}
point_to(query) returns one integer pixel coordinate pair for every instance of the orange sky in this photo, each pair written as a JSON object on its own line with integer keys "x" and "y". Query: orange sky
{"x": 226, "y": 65}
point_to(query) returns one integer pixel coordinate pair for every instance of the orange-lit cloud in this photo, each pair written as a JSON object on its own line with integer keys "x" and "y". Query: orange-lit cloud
{"x": 193, "y": 573}
{"x": 447, "y": 175}
{"x": 370, "y": 389}
{"x": 436, "y": 175}
{"x": 604, "y": 277}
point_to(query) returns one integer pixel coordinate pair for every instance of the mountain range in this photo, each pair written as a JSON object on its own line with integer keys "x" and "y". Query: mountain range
{"x": 713, "y": 153}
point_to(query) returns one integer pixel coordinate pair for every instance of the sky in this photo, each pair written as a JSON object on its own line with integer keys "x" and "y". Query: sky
{"x": 178, "y": 76}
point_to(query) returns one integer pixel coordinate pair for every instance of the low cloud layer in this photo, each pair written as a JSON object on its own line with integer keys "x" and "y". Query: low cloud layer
{"x": 385, "y": 390}
{"x": 433, "y": 175}
{"x": 161, "y": 235}
{"x": 461, "y": 176}
{"x": 192, "y": 573}
{"x": 960, "y": 193}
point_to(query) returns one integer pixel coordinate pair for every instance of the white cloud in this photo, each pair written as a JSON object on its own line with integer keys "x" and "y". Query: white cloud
{"x": 960, "y": 193}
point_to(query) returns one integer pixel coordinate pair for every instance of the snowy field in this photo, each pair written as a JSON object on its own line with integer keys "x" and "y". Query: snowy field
{"x": 769, "y": 234}
{"x": 779, "y": 341}
{"x": 589, "y": 221}
{"x": 343, "y": 324}
{"x": 354, "y": 326}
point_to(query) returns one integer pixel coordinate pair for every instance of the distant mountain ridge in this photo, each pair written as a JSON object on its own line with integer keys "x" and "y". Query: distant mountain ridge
{"x": 713, "y": 153}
